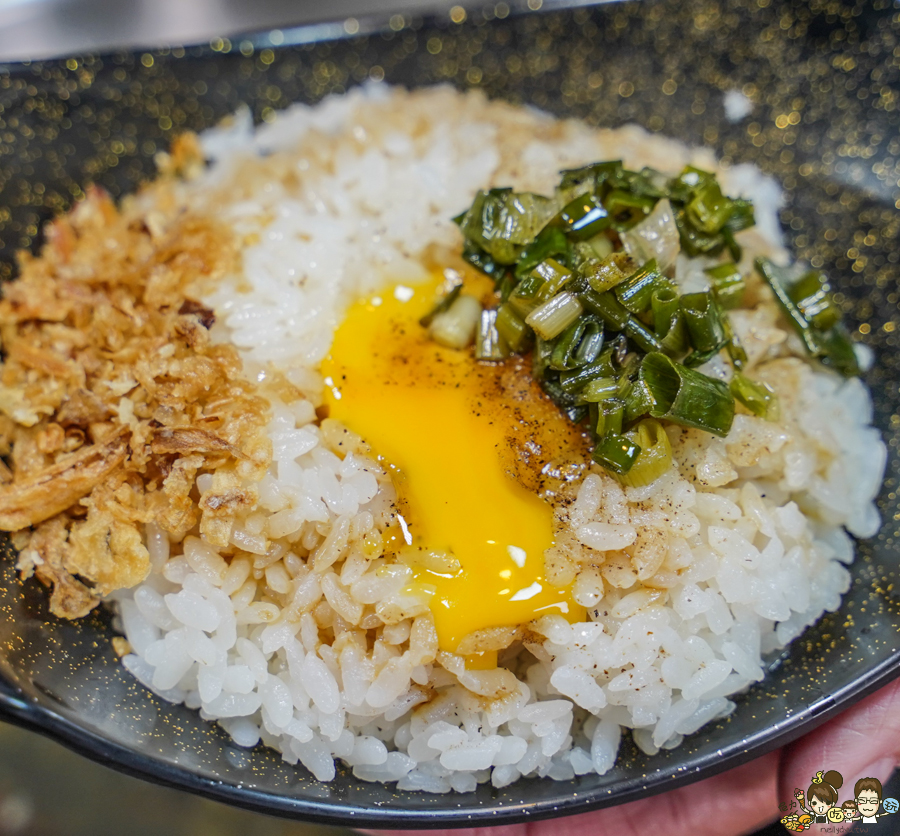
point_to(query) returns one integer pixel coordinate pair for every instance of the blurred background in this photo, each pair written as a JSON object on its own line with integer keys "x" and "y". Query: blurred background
{"x": 45, "y": 790}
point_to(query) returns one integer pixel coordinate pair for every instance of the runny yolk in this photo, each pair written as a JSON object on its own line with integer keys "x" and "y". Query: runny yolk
{"x": 428, "y": 412}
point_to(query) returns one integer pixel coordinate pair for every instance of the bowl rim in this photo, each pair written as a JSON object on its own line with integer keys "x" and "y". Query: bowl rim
{"x": 17, "y": 708}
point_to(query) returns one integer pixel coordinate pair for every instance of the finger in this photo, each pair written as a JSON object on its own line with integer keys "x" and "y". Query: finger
{"x": 863, "y": 742}
{"x": 733, "y": 803}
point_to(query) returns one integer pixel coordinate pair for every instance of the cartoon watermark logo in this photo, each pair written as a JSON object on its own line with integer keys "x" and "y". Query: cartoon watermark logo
{"x": 819, "y": 804}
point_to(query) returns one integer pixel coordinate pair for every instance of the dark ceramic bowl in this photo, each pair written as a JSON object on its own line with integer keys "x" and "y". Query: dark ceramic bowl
{"x": 824, "y": 90}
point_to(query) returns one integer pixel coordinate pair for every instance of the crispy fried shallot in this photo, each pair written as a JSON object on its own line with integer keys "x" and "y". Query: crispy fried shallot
{"x": 113, "y": 398}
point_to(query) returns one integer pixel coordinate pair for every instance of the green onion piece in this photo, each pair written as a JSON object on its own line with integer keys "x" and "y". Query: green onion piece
{"x": 677, "y": 341}
{"x": 601, "y": 245}
{"x": 550, "y": 241}
{"x": 641, "y": 335}
{"x": 698, "y": 358}
{"x": 574, "y": 381}
{"x": 638, "y": 401}
{"x": 734, "y": 249}
{"x": 595, "y": 174}
{"x": 636, "y": 292}
{"x": 654, "y": 459}
{"x": 693, "y": 241}
{"x": 512, "y": 328}
{"x": 728, "y": 284}
{"x": 682, "y": 188}
{"x": 600, "y": 389}
{"x": 811, "y": 294}
{"x": 591, "y": 343}
{"x": 735, "y": 350}
{"x": 616, "y": 453}
{"x": 837, "y": 350}
{"x": 832, "y": 346}
{"x": 489, "y": 345}
{"x": 758, "y": 397}
{"x": 563, "y": 356}
{"x": 555, "y": 315}
{"x": 687, "y": 397}
{"x": 626, "y": 208}
{"x": 709, "y": 210}
{"x": 665, "y": 306}
{"x": 555, "y": 277}
{"x": 506, "y": 285}
{"x": 442, "y": 305}
{"x": 701, "y": 315}
{"x": 606, "y": 274}
{"x": 612, "y": 412}
{"x": 524, "y": 297}
{"x": 583, "y": 217}
{"x": 741, "y": 216}
{"x": 456, "y": 326}
{"x": 607, "y": 307}
{"x": 480, "y": 260}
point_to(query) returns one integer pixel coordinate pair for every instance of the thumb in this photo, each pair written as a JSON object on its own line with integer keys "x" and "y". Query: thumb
{"x": 863, "y": 742}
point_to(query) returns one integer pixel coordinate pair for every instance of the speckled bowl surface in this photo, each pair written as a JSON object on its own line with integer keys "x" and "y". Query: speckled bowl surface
{"x": 822, "y": 79}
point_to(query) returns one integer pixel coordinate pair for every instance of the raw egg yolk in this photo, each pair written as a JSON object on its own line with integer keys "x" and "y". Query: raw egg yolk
{"x": 435, "y": 418}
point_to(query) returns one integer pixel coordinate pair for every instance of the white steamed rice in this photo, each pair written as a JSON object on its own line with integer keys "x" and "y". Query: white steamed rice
{"x": 303, "y": 638}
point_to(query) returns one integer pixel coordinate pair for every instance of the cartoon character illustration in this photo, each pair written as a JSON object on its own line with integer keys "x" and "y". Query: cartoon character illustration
{"x": 793, "y": 824}
{"x": 851, "y": 814}
{"x": 868, "y": 792}
{"x": 821, "y": 796}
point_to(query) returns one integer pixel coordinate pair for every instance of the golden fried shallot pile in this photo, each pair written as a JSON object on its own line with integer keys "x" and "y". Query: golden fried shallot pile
{"x": 113, "y": 398}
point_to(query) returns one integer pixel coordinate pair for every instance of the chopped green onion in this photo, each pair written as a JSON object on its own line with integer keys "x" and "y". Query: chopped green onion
{"x": 555, "y": 276}
{"x": 595, "y": 174}
{"x": 704, "y": 323}
{"x": 506, "y": 285}
{"x": 735, "y": 349}
{"x": 728, "y": 284}
{"x": 512, "y": 329}
{"x": 612, "y": 414}
{"x": 665, "y": 306}
{"x": 442, "y": 305}
{"x": 551, "y": 241}
{"x": 572, "y": 381}
{"x": 616, "y": 453}
{"x": 638, "y": 401}
{"x": 654, "y": 459}
{"x": 655, "y": 237}
{"x": 641, "y": 335}
{"x": 607, "y": 307}
{"x": 709, "y": 210}
{"x": 524, "y": 298}
{"x": 811, "y": 294}
{"x": 600, "y": 389}
{"x": 563, "y": 356}
{"x": 455, "y": 327}
{"x": 601, "y": 245}
{"x": 758, "y": 397}
{"x": 832, "y": 345}
{"x": 627, "y": 209}
{"x": 555, "y": 315}
{"x": 591, "y": 343}
{"x": 636, "y": 292}
{"x": 687, "y": 397}
{"x": 583, "y": 217}
{"x": 489, "y": 345}
{"x": 606, "y": 274}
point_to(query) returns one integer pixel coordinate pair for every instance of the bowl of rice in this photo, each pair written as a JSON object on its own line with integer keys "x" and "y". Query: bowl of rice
{"x": 249, "y": 461}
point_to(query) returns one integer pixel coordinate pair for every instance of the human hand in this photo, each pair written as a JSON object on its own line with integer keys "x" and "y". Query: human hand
{"x": 863, "y": 741}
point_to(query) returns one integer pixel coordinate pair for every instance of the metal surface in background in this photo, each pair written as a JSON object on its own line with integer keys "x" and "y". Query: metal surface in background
{"x": 34, "y": 29}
